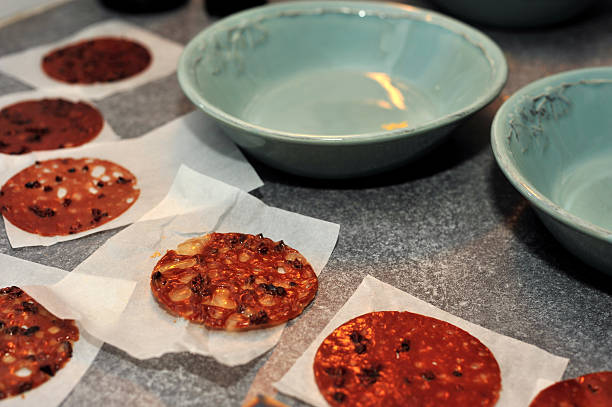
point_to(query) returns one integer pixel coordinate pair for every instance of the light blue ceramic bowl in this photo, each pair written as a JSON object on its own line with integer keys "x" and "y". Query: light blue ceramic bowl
{"x": 553, "y": 140}
{"x": 338, "y": 89}
{"x": 515, "y": 13}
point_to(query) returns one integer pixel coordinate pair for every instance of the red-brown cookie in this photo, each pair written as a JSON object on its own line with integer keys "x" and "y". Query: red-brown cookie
{"x": 234, "y": 281}
{"x": 34, "y": 343}
{"x": 47, "y": 124}
{"x": 66, "y": 195}
{"x": 591, "y": 390}
{"x": 98, "y": 60}
{"x": 401, "y": 359}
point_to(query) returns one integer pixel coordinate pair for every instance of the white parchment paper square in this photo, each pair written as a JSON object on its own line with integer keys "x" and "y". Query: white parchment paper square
{"x": 145, "y": 330}
{"x": 154, "y": 159}
{"x": 27, "y": 65}
{"x": 521, "y": 364}
{"x": 42, "y": 283}
{"x": 106, "y": 134}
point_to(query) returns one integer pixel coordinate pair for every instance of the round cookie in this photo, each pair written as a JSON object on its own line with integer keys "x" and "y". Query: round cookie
{"x": 47, "y": 124}
{"x": 98, "y": 60}
{"x": 35, "y": 343}
{"x": 393, "y": 358}
{"x": 591, "y": 390}
{"x": 234, "y": 281}
{"x": 66, "y": 195}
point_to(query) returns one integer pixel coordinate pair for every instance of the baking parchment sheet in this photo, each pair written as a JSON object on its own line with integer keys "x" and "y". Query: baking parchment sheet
{"x": 43, "y": 283}
{"x": 154, "y": 159}
{"x": 540, "y": 385}
{"x": 26, "y": 66}
{"x": 521, "y": 364}
{"x": 145, "y": 330}
{"x": 106, "y": 134}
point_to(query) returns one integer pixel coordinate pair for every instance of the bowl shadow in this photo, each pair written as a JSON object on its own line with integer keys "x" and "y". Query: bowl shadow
{"x": 536, "y": 238}
{"x": 202, "y": 366}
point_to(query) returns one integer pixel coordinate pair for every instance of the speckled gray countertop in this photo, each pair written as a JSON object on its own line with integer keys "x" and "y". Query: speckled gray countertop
{"x": 448, "y": 229}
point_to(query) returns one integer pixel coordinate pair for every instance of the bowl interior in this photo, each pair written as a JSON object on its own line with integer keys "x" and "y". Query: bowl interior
{"x": 341, "y": 68}
{"x": 557, "y": 144}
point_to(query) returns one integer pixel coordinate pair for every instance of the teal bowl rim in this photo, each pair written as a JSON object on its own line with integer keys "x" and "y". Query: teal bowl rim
{"x": 491, "y": 51}
{"x": 499, "y": 140}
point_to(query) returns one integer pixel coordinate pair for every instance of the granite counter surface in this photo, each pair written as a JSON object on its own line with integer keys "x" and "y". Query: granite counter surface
{"x": 448, "y": 229}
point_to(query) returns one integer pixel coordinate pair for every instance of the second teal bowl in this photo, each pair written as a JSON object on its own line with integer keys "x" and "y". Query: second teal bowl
{"x": 553, "y": 141}
{"x": 340, "y": 89}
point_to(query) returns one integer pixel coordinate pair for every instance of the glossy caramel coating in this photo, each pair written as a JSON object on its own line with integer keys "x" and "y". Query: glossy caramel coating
{"x": 234, "y": 281}
{"x": 392, "y": 358}
{"x": 35, "y": 344}
{"x": 65, "y": 196}
{"x": 98, "y": 60}
{"x": 591, "y": 390}
{"x": 47, "y": 124}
